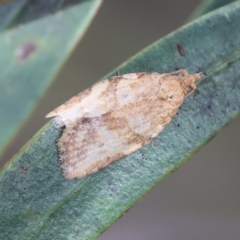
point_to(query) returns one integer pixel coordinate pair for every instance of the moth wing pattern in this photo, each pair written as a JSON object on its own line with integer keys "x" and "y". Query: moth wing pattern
{"x": 116, "y": 117}
{"x": 100, "y": 145}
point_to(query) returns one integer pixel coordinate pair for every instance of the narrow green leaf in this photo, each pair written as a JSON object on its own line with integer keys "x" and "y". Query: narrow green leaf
{"x": 36, "y": 202}
{"x": 33, "y": 52}
{"x": 209, "y": 5}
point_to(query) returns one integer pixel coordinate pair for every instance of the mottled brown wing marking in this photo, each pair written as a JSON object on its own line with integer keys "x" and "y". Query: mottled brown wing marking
{"x": 117, "y": 117}
{"x": 111, "y": 89}
{"x": 97, "y": 143}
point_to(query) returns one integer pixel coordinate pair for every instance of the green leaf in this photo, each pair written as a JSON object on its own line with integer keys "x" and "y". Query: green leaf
{"x": 32, "y": 51}
{"x": 209, "y": 5}
{"x": 36, "y": 202}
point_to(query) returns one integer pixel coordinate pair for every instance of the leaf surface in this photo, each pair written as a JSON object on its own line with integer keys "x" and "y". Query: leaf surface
{"x": 32, "y": 51}
{"x": 36, "y": 202}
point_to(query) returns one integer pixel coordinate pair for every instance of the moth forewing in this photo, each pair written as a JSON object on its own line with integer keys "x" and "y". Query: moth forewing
{"x": 116, "y": 117}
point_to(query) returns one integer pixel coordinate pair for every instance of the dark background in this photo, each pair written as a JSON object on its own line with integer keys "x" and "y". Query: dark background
{"x": 201, "y": 199}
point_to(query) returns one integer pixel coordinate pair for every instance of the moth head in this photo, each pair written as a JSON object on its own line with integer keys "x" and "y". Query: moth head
{"x": 171, "y": 92}
{"x": 174, "y": 88}
{"x": 188, "y": 82}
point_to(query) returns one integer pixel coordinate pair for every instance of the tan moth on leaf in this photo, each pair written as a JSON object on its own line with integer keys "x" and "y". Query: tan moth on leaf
{"x": 116, "y": 117}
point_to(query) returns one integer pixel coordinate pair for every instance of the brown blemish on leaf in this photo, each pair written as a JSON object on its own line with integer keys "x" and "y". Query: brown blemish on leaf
{"x": 24, "y": 169}
{"x": 180, "y": 49}
{"x": 23, "y": 52}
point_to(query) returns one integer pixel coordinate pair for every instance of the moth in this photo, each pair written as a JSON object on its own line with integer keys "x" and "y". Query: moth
{"x": 116, "y": 117}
